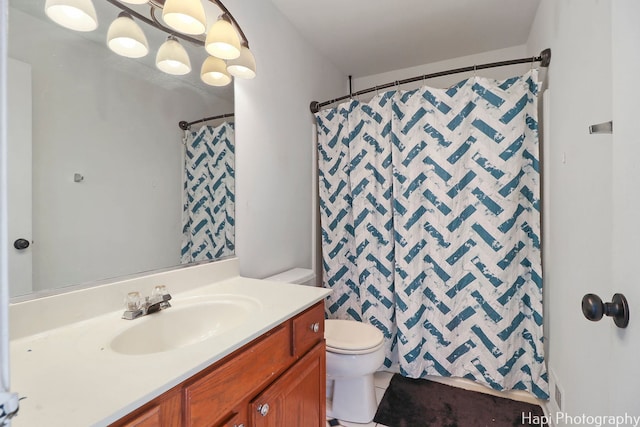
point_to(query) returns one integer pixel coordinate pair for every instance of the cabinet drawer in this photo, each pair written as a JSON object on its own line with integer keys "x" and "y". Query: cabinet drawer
{"x": 211, "y": 398}
{"x": 308, "y": 329}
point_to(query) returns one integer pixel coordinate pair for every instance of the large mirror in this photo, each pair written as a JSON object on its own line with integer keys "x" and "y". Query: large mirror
{"x": 96, "y": 158}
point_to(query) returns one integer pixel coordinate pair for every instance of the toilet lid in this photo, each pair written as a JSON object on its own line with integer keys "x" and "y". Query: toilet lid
{"x": 349, "y": 335}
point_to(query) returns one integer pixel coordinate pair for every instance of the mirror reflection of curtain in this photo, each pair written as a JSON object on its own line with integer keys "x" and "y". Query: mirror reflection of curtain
{"x": 209, "y": 197}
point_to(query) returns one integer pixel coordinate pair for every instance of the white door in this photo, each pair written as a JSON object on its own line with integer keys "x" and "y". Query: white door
{"x": 624, "y": 347}
{"x": 19, "y": 177}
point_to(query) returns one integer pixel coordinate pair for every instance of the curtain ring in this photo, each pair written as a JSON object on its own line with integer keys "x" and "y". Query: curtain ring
{"x": 475, "y": 68}
{"x": 377, "y": 90}
{"x": 533, "y": 59}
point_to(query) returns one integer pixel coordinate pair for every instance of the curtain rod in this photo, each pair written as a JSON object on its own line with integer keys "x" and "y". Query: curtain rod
{"x": 544, "y": 59}
{"x": 184, "y": 125}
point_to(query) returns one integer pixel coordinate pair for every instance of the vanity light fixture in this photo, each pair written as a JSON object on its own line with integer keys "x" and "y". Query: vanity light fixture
{"x": 78, "y": 15}
{"x": 172, "y": 58}
{"x": 214, "y": 72}
{"x": 244, "y": 66}
{"x": 226, "y": 45}
{"x": 223, "y": 40}
{"x": 185, "y": 16}
{"x": 126, "y": 38}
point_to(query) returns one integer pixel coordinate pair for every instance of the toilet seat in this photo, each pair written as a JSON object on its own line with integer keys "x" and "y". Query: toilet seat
{"x": 351, "y": 337}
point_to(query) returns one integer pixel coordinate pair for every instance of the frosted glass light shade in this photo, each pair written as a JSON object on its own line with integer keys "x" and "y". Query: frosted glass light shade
{"x": 172, "y": 58}
{"x": 77, "y": 15}
{"x": 244, "y": 66}
{"x": 126, "y": 38}
{"x": 222, "y": 40}
{"x": 135, "y": 1}
{"x": 185, "y": 16}
{"x": 214, "y": 72}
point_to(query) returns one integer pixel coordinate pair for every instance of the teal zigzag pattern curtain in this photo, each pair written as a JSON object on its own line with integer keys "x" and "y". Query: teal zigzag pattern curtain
{"x": 208, "y": 214}
{"x": 430, "y": 218}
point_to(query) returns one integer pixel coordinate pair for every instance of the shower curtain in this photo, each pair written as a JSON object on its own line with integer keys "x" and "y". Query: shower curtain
{"x": 430, "y": 215}
{"x": 209, "y": 197}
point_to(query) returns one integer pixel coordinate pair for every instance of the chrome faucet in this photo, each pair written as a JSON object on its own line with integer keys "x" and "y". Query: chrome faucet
{"x": 136, "y": 306}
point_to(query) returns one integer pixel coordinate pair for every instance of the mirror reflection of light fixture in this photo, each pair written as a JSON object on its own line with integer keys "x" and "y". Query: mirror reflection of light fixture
{"x": 244, "y": 66}
{"x": 126, "y": 38}
{"x": 214, "y": 72}
{"x": 172, "y": 58}
{"x": 185, "y": 16}
{"x": 183, "y": 19}
{"x": 78, "y": 15}
{"x": 223, "y": 40}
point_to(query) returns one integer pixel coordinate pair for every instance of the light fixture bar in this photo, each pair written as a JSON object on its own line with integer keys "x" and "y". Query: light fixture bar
{"x": 156, "y": 23}
{"x": 224, "y": 41}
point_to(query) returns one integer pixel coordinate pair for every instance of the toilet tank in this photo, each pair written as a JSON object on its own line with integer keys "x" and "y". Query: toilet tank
{"x": 301, "y": 276}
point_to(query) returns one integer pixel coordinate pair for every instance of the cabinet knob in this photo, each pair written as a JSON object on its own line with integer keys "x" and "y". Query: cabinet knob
{"x": 263, "y": 409}
{"x": 315, "y": 327}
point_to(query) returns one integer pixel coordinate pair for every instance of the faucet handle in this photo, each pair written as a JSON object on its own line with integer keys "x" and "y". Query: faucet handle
{"x": 133, "y": 301}
{"x": 159, "y": 291}
{"x": 133, "y": 304}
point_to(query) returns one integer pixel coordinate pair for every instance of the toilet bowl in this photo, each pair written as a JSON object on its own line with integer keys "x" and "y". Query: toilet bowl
{"x": 354, "y": 352}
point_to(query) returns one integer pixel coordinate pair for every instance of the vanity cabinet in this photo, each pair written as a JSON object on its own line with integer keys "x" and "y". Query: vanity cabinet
{"x": 292, "y": 400}
{"x": 278, "y": 379}
{"x": 166, "y": 410}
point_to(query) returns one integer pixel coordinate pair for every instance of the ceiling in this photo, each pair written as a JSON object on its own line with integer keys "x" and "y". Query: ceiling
{"x": 366, "y": 37}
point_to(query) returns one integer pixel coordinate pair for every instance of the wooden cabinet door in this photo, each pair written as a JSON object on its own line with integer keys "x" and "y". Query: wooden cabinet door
{"x": 166, "y": 410}
{"x": 237, "y": 419}
{"x": 212, "y": 397}
{"x": 297, "y": 398}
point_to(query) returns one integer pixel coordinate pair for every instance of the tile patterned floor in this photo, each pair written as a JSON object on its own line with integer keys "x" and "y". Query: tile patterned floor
{"x": 381, "y": 381}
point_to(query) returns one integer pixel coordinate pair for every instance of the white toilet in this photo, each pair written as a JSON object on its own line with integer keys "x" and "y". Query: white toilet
{"x": 354, "y": 352}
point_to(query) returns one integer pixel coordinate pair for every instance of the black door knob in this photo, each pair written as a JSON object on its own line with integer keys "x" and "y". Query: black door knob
{"x": 21, "y": 244}
{"x": 594, "y": 309}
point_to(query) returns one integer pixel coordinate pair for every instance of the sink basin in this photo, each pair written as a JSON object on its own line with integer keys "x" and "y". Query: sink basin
{"x": 186, "y": 323}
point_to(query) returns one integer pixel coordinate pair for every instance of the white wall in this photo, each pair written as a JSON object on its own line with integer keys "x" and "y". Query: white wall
{"x": 274, "y": 141}
{"x": 578, "y": 179}
{"x": 120, "y": 132}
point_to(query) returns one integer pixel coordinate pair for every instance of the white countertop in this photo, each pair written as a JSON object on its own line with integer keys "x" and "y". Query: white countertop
{"x": 69, "y": 376}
